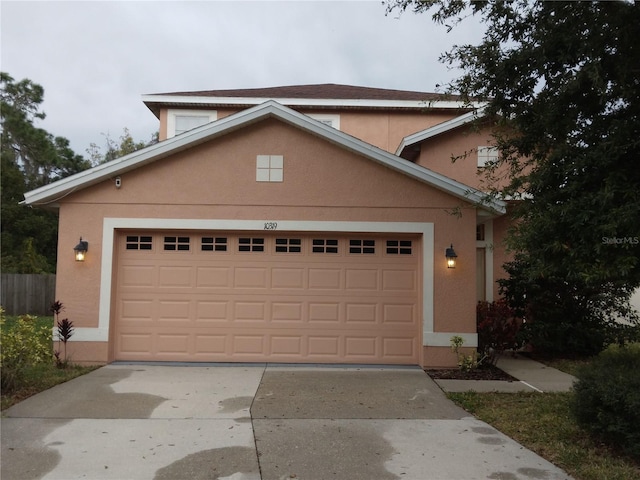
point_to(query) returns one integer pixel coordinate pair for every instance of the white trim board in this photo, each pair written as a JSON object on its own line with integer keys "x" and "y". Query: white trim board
{"x": 110, "y": 225}
{"x": 50, "y": 194}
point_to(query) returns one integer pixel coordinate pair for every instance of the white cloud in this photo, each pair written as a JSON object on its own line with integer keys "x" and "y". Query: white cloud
{"x": 95, "y": 59}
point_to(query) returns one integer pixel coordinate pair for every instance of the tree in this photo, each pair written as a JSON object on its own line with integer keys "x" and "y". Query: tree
{"x": 561, "y": 80}
{"x": 30, "y": 158}
{"x": 115, "y": 150}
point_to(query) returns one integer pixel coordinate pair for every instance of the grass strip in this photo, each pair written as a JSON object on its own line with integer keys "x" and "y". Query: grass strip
{"x": 544, "y": 423}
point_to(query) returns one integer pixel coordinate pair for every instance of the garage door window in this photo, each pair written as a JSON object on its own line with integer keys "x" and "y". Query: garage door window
{"x": 288, "y": 245}
{"x": 214, "y": 244}
{"x": 362, "y": 246}
{"x": 139, "y": 242}
{"x": 321, "y": 245}
{"x": 246, "y": 244}
{"x": 399, "y": 247}
{"x": 176, "y": 243}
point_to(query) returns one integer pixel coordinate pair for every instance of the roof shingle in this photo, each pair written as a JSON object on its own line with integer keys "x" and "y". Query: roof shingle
{"x": 317, "y": 91}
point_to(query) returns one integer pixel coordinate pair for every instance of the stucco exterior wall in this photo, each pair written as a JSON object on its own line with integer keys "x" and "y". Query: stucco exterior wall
{"x": 384, "y": 129}
{"x": 217, "y": 180}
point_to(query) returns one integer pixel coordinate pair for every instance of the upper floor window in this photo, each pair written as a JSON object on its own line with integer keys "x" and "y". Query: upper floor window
{"x": 487, "y": 155}
{"x": 333, "y": 120}
{"x": 180, "y": 121}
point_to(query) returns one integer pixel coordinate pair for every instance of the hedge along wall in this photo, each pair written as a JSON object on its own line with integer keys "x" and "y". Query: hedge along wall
{"x": 27, "y": 293}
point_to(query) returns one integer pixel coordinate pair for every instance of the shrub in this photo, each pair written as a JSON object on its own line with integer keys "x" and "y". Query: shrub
{"x": 466, "y": 363}
{"x": 607, "y": 397}
{"x": 64, "y": 330}
{"x": 23, "y": 345}
{"x": 498, "y": 328}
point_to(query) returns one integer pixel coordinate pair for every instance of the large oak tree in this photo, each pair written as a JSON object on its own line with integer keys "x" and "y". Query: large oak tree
{"x": 562, "y": 82}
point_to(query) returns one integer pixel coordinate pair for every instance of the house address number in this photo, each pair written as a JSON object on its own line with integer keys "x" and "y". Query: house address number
{"x": 270, "y": 225}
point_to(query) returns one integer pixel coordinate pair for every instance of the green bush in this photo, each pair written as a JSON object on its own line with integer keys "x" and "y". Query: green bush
{"x": 23, "y": 345}
{"x": 607, "y": 397}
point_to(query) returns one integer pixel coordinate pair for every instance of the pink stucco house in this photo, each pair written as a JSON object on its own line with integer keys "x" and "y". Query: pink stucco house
{"x": 300, "y": 224}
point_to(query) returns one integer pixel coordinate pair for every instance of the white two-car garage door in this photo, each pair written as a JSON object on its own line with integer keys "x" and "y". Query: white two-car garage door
{"x": 267, "y": 297}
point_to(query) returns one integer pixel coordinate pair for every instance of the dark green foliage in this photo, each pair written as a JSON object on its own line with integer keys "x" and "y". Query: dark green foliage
{"x": 569, "y": 318}
{"x": 607, "y": 397}
{"x": 30, "y": 157}
{"x": 498, "y": 327}
{"x": 562, "y": 86}
{"x": 64, "y": 331}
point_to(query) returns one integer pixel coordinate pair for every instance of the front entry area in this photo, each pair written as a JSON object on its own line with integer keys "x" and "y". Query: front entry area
{"x": 218, "y": 296}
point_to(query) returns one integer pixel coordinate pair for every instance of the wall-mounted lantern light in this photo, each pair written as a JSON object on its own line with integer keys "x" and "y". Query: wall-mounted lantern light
{"x": 450, "y": 253}
{"x": 80, "y": 250}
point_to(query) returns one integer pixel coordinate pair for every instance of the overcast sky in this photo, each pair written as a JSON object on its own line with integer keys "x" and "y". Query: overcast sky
{"x": 96, "y": 59}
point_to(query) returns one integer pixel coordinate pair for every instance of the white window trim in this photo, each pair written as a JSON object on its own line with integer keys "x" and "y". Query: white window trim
{"x": 111, "y": 225}
{"x": 486, "y": 154}
{"x": 173, "y": 113}
{"x": 331, "y": 119}
{"x": 487, "y": 244}
{"x": 269, "y": 168}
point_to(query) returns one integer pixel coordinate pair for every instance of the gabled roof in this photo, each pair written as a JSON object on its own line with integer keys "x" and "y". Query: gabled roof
{"x": 325, "y": 95}
{"x": 50, "y": 194}
{"x": 419, "y": 137}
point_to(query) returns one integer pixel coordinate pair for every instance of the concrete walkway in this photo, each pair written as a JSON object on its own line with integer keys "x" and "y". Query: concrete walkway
{"x": 532, "y": 377}
{"x": 255, "y": 422}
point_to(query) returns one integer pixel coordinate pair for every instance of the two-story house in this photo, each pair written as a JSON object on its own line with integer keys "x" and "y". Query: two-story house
{"x": 299, "y": 224}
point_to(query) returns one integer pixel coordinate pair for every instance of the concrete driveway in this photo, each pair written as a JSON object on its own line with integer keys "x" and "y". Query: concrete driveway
{"x": 255, "y": 422}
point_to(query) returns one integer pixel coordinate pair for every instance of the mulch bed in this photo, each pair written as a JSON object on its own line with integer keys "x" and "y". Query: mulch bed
{"x": 483, "y": 372}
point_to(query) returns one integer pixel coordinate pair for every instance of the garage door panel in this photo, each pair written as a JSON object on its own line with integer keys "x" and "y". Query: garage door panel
{"x": 208, "y": 345}
{"x": 289, "y": 312}
{"x": 358, "y": 313}
{"x": 265, "y": 306}
{"x": 399, "y": 281}
{"x": 324, "y": 312}
{"x": 324, "y": 346}
{"x": 288, "y": 278}
{"x": 286, "y": 345}
{"x": 361, "y": 279}
{"x": 214, "y": 277}
{"x": 399, "y": 314}
{"x": 249, "y": 311}
{"x": 173, "y": 343}
{"x": 137, "y": 276}
{"x": 325, "y": 279}
{"x": 212, "y": 311}
{"x": 174, "y": 277}
{"x": 402, "y": 348}
{"x": 178, "y": 311}
{"x": 250, "y": 277}
{"x": 248, "y": 345}
{"x": 136, "y": 310}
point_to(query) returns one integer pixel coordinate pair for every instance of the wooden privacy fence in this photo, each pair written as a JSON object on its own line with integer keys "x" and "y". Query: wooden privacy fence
{"x": 27, "y": 293}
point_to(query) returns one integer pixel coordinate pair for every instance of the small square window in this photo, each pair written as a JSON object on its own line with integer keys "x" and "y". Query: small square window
{"x": 269, "y": 168}
{"x": 487, "y": 155}
{"x": 480, "y": 232}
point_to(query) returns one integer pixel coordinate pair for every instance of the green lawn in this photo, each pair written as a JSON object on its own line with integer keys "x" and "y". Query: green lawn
{"x": 543, "y": 423}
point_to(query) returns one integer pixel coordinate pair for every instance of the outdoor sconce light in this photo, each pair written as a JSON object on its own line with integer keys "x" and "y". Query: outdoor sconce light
{"x": 80, "y": 250}
{"x": 450, "y": 253}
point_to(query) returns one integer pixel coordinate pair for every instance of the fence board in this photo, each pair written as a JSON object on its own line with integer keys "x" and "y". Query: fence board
{"x": 27, "y": 293}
